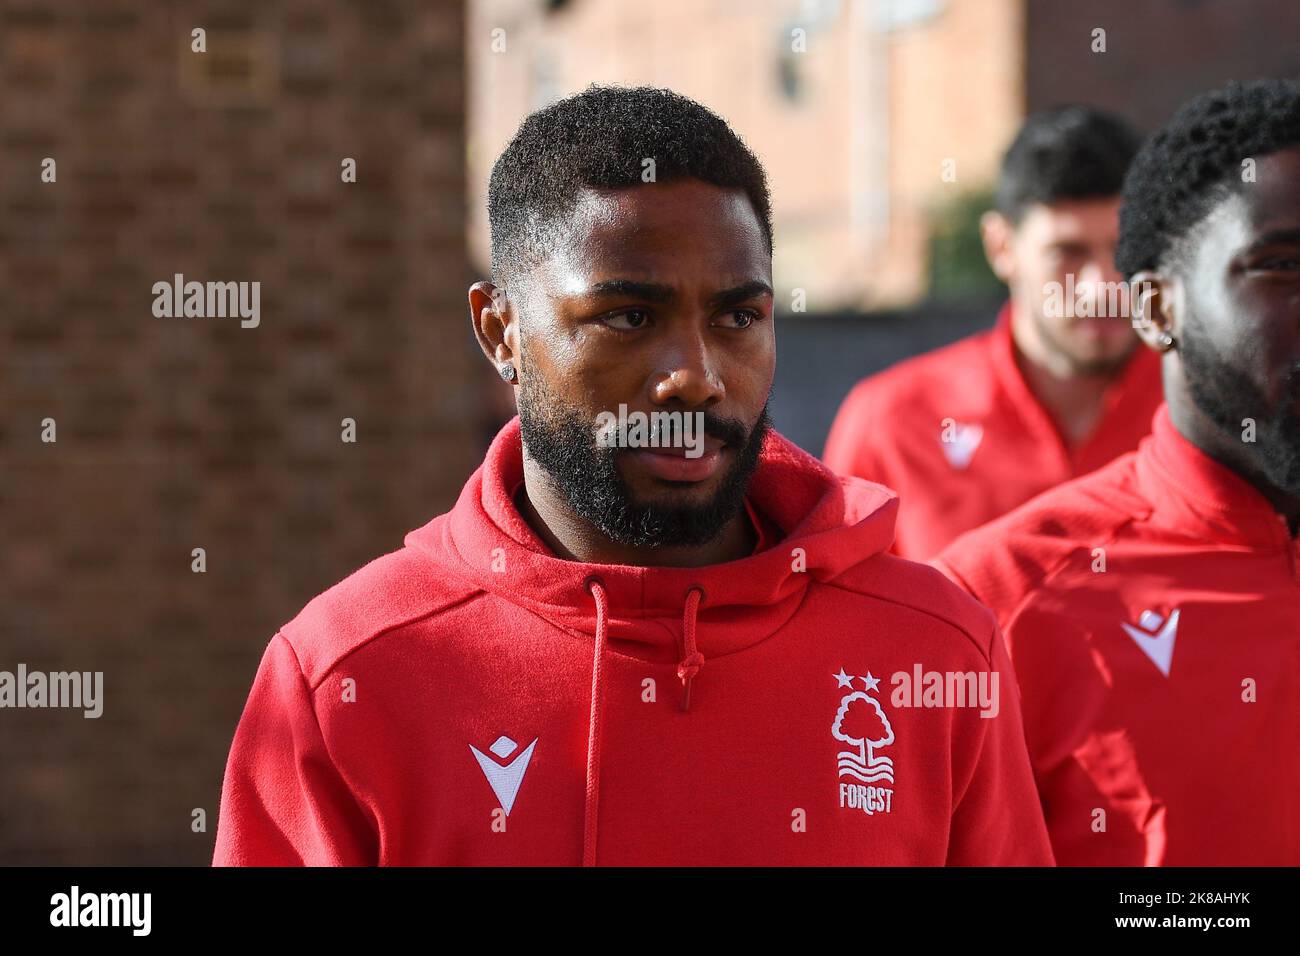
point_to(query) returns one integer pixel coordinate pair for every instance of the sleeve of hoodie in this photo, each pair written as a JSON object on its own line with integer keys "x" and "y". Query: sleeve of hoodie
{"x": 852, "y": 445}
{"x": 283, "y": 801}
{"x": 849, "y": 444}
{"x": 997, "y": 819}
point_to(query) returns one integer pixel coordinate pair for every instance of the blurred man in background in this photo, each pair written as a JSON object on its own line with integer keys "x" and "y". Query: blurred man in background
{"x": 1152, "y": 608}
{"x": 1056, "y": 389}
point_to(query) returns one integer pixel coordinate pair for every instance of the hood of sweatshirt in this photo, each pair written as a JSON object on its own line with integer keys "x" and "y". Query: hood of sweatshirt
{"x": 828, "y": 524}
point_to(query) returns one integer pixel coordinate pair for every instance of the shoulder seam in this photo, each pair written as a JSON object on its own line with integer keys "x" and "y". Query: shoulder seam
{"x": 362, "y": 809}
{"x": 387, "y": 629}
{"x": 985, "y": 653}
{"x": 1059, "y": 566}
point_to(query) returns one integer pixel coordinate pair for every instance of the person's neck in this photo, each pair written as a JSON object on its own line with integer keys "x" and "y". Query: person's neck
{"x": 1075, "y": 401}
{"x": 573, "y": 538}
{"x": 1229, "y": 451}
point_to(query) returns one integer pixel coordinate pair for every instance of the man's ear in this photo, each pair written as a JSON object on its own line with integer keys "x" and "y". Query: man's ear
{"x": 1155, "y": 307}
{"x": 496, "y": 327}
{"x": 996, "y": 232}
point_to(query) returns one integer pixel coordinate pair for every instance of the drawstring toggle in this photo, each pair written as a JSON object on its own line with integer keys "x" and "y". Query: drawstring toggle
{"x": 692, "y": 659}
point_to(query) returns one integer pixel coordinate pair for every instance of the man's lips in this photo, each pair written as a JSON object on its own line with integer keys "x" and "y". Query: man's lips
{"x": 671, "y": 464}
{"x": 1107, "y": 324}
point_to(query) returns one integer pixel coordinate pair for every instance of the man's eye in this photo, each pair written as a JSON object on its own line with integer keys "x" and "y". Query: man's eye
{"x": 1285, "y": 263}
{"x": 742, "y": 318}
{"x": 628, "y": 320}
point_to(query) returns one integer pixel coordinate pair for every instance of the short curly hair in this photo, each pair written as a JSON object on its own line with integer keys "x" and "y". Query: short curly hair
{"x": 599, "y": 139}
{"x": 1193, "y": 163}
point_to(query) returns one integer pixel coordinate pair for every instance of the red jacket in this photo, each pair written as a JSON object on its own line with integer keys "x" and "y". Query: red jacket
{"x": 962, "y": 439}
{"x": 1153, "y": 614}
{"x": 440, "y": 706}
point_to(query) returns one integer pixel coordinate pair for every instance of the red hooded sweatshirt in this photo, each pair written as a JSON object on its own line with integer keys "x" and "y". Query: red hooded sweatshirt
{"x": 473, "y": 699}
{"x": 1152, "y": 609}
{"x": 962, "y": 438}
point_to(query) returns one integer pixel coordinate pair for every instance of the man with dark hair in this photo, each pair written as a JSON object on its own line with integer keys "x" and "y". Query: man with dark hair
{"x": 651, "y": 631}
{"x": 1056, "y": 389}
{"x": 1153, "y": 608}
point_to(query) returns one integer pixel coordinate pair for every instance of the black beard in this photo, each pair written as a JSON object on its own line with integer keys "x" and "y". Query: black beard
{"x": 563, "y": 442}
{"x": 1226, "y": 395}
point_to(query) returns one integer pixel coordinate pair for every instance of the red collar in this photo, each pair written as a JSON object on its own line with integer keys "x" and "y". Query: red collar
{"x": 766, "y": 534}
{"x": 1195, "y": 493}
{"x": 1125, "y": 390}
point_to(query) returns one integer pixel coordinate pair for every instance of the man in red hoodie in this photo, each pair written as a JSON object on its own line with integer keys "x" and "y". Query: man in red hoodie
{"x": 1054, "y": 390}
{"x": 651, "y": 630}
{"x": 1153, "y": 608}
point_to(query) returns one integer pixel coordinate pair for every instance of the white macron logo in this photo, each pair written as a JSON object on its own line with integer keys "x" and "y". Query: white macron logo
{"x": 959, "y": 443}
{"x": 1155, "y": 641}
{"x": 505, "y": 778}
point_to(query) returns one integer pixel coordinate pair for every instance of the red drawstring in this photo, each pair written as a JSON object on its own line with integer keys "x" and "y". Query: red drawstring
{"x": 692, "y": 659}
{"x": 593, "y": 729}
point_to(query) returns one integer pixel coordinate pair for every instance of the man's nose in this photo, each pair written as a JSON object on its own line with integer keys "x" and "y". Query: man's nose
{"x": 1097, "y": 271}
{"x": 686, "y": 375}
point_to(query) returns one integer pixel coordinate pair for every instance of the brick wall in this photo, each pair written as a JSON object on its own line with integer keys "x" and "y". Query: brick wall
{"x": 180, "y": 433}
{"x": 1159, "y": 53}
